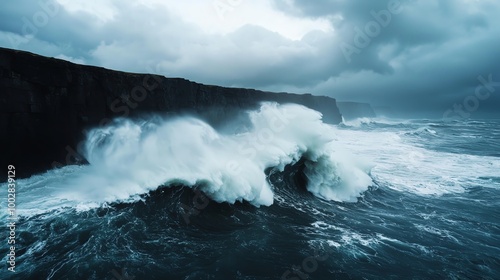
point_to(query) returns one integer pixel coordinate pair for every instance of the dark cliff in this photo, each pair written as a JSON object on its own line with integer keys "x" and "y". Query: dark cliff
{"x": 354, "y": 110}
{"x": 46, "y": 104}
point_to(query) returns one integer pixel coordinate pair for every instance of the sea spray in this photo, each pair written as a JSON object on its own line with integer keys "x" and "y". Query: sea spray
{"x": 129, "y": 158}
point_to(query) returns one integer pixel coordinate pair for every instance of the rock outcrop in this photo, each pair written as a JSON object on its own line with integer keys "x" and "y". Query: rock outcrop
{"x": 354, "y": 110}
{"x": 46, "y": 104}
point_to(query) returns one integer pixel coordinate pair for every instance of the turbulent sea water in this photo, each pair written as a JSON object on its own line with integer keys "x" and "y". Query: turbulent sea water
{"x": 278, "y": 196}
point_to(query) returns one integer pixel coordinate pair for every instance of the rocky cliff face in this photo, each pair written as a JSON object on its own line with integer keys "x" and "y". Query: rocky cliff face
{"x": 46, "y": 104}
{"x": 354, "y": 110}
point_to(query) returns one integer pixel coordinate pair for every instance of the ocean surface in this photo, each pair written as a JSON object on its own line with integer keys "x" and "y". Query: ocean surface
{"x": 280, "y": 195}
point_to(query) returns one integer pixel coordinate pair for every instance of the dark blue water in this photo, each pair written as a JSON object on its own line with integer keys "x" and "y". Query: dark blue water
{"x": 433, "y": 212}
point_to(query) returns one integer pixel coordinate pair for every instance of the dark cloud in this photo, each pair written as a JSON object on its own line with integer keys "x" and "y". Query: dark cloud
{"x": 426, "y": 59}
{"x": 424, "y": 56}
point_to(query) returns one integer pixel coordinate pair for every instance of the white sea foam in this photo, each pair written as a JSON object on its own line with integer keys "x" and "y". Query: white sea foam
{"x": 359, "y": 122}
{"x": 403, "y": 166}
{"x": 130, "y": 158}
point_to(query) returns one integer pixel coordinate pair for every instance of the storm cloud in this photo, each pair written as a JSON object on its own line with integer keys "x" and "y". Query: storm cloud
{"x": 417, "y": 57}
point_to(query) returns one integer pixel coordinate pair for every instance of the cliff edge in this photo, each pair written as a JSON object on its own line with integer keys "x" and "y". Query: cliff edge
{"x": 46, "y": 104}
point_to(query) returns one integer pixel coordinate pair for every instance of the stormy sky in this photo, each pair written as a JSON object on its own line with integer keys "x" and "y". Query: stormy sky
{"x": 431, "y": 58}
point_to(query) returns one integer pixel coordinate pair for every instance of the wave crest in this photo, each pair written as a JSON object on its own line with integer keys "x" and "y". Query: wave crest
{"x": 130, "y": 158}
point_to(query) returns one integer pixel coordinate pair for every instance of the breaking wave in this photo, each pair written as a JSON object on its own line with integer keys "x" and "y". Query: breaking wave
{"x": 130, "y": 158}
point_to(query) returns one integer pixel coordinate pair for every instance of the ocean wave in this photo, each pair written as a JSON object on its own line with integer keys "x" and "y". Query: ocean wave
{"x": 425, "y": 130}
{"x": 384, "y": 122}
{"x": 130, "y": 158}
